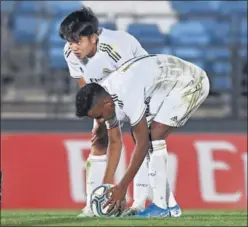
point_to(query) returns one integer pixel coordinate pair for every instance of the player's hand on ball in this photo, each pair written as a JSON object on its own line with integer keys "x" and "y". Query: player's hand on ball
{"x": 117, "y": 196}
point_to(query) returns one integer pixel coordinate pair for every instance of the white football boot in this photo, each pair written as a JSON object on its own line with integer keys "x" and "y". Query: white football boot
{"x": 175, "y": 211}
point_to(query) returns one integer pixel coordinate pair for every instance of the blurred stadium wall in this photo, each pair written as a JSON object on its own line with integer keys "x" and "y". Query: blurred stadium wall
{"x": 44, "y": 147}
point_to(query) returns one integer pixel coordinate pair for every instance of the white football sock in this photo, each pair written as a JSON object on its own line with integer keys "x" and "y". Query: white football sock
{"x": 141, "y": 186}
{"x": 95, "y": 169}
{"x": 158, "y": 173}
{"x": 171, "y": 201}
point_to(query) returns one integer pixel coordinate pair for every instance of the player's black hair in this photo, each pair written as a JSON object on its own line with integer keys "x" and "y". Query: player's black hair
{"x": 87, "y": 97}
{"x": 82, "y": 22}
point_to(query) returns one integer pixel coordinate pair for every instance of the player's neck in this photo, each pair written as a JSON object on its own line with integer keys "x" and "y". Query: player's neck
{"x": 93, "y": 52}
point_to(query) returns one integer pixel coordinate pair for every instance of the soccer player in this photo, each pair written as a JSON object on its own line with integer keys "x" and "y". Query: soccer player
{"x": 158, "y": 93}
{"x": 92, "y": 53}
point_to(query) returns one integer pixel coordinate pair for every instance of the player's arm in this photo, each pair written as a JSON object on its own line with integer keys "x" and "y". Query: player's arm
{"x": 75, "y": 70}
{"x": 141, "y": 136}
{"x": 76, "y": 73}
{"x": 129, "y": 47}
{"x": 123, "y": 48}
{"x": 135, "y": 108}
{"x": 113, "y": 150}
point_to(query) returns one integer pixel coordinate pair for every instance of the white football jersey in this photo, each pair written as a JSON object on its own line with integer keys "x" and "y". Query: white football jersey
{"x": 113, "y": 49}
{"x": 140, "y": 85}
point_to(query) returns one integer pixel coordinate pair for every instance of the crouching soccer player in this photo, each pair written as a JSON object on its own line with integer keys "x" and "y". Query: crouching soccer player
{"x": 157, "y": 93}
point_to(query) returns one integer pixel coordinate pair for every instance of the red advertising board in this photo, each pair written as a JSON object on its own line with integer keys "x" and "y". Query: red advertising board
{"x": 207, "y": 171}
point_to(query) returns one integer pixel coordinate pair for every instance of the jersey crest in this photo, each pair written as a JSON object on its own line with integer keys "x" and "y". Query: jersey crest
{"x": 107, "y": 71}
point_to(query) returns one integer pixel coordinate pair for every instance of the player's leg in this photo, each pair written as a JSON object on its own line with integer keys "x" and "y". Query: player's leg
{"x": 174, "y": 208}
{"x": 200, "y": 93}
{"x": 159, "y": 161}
{"x": 158, "y": 173}
{"x": 141, "y": 195}
{"x": 141, "y": 186}
{"x": 174, "y": 112}
{"x": 140, "y": 189}
{"x": 95, "y": 166}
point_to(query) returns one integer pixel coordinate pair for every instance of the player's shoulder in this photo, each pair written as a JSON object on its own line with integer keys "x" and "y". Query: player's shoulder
{"x": 68, "y": 54}
{"x": 67, "y": 51}
{"x": 114, "y": 36}
{"x": 66, "y": 47}
{"x": 107, "y": 33}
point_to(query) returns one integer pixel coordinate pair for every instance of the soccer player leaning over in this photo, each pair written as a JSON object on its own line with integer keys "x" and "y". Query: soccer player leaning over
{"x": 157, "y": 93}
{"x": 92, "y": 53}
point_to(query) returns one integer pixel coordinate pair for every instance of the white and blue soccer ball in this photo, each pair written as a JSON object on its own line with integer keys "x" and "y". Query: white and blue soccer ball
{"x": 98, "y": 200}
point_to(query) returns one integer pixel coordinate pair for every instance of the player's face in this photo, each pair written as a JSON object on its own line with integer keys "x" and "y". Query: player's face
{"x": 102, "y": 111}
{"x": 86, "y": 47}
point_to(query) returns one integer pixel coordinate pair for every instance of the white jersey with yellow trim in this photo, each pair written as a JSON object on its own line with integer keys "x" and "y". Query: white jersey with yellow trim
{"x": 142, "y": 85}
{"x": 113, "y": 49}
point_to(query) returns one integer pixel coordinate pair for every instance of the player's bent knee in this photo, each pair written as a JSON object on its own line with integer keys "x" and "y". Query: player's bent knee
{"x": 97, "y": 151}
{"x": 100, "y": 145}
{"x": 159, "y": 131}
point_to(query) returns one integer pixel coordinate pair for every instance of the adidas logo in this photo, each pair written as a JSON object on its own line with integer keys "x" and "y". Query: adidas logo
{"x": 174, "y": 118}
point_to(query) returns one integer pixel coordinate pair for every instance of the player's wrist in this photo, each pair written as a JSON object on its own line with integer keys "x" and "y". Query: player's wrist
{"x": 124, "y": 182}
{"x": 108, "y": 180}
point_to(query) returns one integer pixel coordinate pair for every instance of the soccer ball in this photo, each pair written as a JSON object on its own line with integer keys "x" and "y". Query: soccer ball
{"x": 98, "y": 200}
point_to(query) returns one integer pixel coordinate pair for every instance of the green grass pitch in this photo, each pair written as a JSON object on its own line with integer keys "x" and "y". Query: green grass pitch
{"x": 68, "y": 218}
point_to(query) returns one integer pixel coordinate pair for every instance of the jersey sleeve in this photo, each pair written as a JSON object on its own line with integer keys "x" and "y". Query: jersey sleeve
{"x": 129, "y": 47}
{"x": 121, "y": 48}
{"x": 136, "y": 48}
{"x": 74, "y": 68}
{"x": 134, "y": 106}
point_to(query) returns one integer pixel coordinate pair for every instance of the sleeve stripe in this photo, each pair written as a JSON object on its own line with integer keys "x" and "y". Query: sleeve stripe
{"x": 66, "y": 50}
{"x": 110, "y": 51}
{"x": 109, "y": 55}
{"x": 105, "y": 49}
{"x": 136, "y": 122}
{"x": 67, "y": 55}
{"x": 117, "y": 54}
